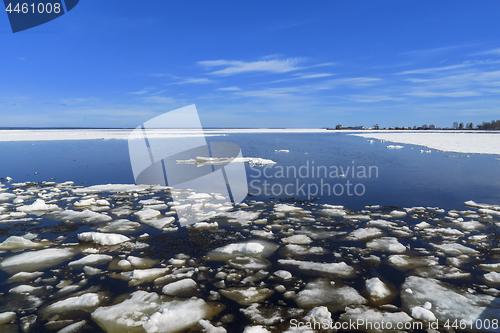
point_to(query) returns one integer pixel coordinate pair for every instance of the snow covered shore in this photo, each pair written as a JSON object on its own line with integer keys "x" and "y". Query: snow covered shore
{"x": 457, "y": 142}
{"x": 122, "y": 134}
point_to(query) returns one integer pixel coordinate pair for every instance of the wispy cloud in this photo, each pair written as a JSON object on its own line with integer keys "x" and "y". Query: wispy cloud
{"x": 454, "y": 94}
{"x": 232, "y": 67}
{"x": 374, "y": 98}
{"x": 487, "y": 52}
{"x": 437, "y": 51}
{"x": 78, "y": 100}
{"x": 159, "y": 100}
{"x": 230, "y": 89}
{"x": 194, "y": 80}
{"x": 300, "y": 76}
{"x": 434, "y": 69}
{"x": 272, "y": 93}
{"x": 141, "y": 92}
{"x": 353, "y": 82}
{"x": 314, "y": 76}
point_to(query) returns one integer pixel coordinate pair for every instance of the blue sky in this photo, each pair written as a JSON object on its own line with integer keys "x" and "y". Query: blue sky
{"x": 118, "y": 63}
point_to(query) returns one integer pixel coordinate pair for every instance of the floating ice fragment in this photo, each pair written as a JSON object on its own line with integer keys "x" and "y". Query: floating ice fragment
{"x": 179, "y": 288}
{"x": 247, "y": 296}
{"x": 24, "y": 276}
{"x": 249, "y": 263}
{"x": 319, "y": 314}
{"x": 147, "y": 214}
{"x": 386, "y": 244}
{"x": 102, "y": 238}
{"x": 85, "y": 203}
{"x": 364, "y": 233}
{"x": 113, "y": 188}
{"x": 492, "y": 277}
{"x": 285, "y": 275}
{"x": 285, "y": 208}
{"x": 377, "y": 289}
{"x": 159, "y": 223}
{"x": 91, "y": 259}
{"x": 121, "y": 225}
{"x": 16, "y": 242}
{"x": 255, "y": 248}
{"x": 209, "y": 328}
{"x": 454, "y": 249}
{"x": 336, "y": 297}
{"x": 6, "y": 317}
{"x": 397, "y": 213}
{"x": 256, "y": 329}
{"x": 449, "y": 302}
{"x": 73, "y": 328}
{"x": 6, "y": 196}
{"x": 86, "y": 302}
{"x": 297, "y": 239}
{"x": 38, "y": 206}
{"x": 333, "y": 212}
{"x": 366, "y": 317}
{"x": 243, "y": 217}
{"x": 85, "y": 215}
{"x": 36, "y": 260}
{"x": 340, "y": 269}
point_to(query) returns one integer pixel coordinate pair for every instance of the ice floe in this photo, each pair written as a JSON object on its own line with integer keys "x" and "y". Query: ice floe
{"x": 36, "y": 260}
{"x": 102, "y": 238}
{"x": 322, "y": 292}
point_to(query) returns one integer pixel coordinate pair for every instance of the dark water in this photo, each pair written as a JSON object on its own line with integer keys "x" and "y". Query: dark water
{"x": 399, "y": 177}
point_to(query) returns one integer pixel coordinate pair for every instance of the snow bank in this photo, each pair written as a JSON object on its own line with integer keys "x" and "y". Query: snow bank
{"x": 461, "y": 142}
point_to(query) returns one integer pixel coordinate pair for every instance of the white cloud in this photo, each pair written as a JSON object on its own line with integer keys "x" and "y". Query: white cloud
{"x": 374, "y": 98}
{"x": 435, "y": 69}
{"x": 273, "y": 93}
{"x": 141, "y": 92}
{"x": 194, "y": 80}
{"x": 230, "y": 89}
{"x": 314, "y": 76}
{"x": 488, "y": 52}
{"x": 77, "y": 100}
{"x": 354, "y": 82}
{"x": 444, "y": 94}
{"x": 236, "y": 67}
{"x": 159, "y": 100}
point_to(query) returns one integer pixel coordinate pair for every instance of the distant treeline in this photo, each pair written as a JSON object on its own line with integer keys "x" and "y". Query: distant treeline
{"x": 494, "y": 125}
